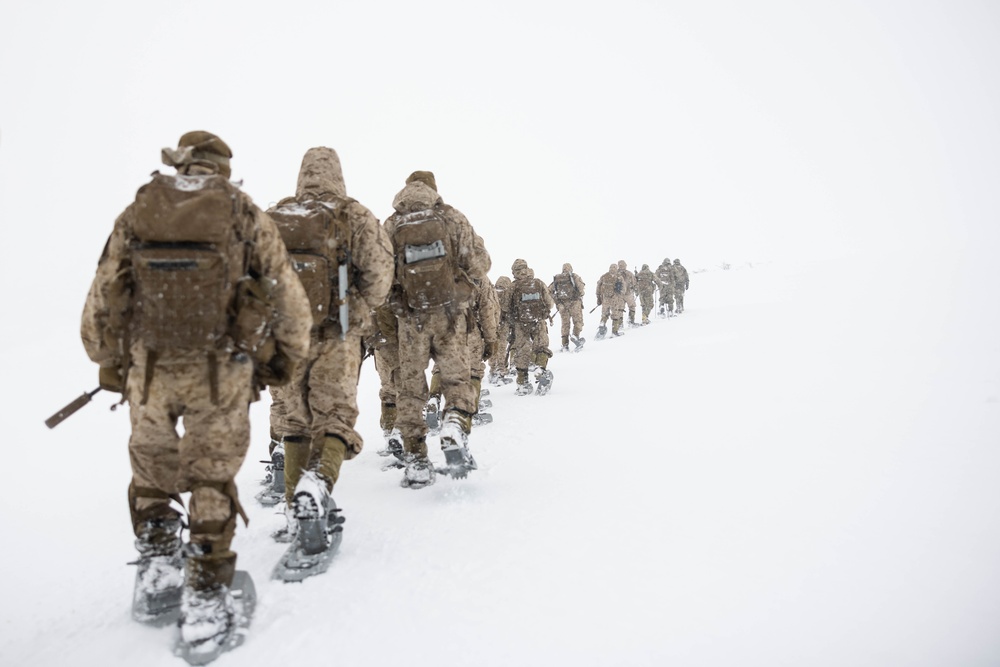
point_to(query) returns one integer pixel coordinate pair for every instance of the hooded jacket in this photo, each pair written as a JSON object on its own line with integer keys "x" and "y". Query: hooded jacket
{"x": 321, "y": 179}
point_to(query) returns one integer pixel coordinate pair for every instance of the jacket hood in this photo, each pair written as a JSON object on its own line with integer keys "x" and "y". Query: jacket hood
{"x": 613, "y": 268}
{"x": 416, "y": 196}
{"x": 567, "y": 268}
{"x": 503, "y": 282}
{"x": 320, "y": 174}
{"x": 520, "y": 269}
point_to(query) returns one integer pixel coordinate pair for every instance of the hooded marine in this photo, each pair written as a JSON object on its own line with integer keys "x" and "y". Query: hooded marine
{"x": 438, "y": 331}
{"x": 315, "y": 413}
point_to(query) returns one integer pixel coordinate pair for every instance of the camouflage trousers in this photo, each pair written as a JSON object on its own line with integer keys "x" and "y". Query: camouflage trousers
{"x": 387, "y": 365}
{"x": 499, "y": 362}
{"x": 211, "y": 401}
{"x": 322, "y": 398}
{"x": 530, "y": 340}
{"x": 438, "y": 337}
{"x": 571, "y": 315}
{"x": 646, "y": 301}
{"x": 614, "y": 308}
{"x": 679, "y": 298}
{"x": 667, "y": 300}
{"x": 629, "y": 299}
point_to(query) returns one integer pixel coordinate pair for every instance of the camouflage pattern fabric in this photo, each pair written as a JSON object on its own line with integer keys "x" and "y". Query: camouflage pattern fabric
{"x": 570, "y": 312}
{"x": 321, "y": 400}
{"x": 209, "y": 390}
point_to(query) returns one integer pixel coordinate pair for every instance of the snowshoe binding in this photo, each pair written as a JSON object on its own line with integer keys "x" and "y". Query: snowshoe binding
{"x": 432, "y": 414}
{"x": 544, "y": 382}
{"x": 602, "y": 331}
{"x": 418, "y": 473}
{"x": 393, "y": 449}
{"x": 159, "y": 575}
{"x": 215, "y": 621}
{"x": 454, "y": 443}
{"x": 578, "y": 342}
{"x": 318, "y": 535}
{"x": 275, "y": 491}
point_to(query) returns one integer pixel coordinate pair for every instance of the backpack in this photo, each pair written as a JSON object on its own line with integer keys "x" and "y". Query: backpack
{"x": 188, "y": 255}
{"x": 565, "y": 288}
{"x": 317, "y": 235}
{"x": 527, "y": 301}
{"x": 426, "y": 267}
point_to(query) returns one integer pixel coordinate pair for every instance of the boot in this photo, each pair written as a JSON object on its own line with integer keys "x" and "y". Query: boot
{"x": 311, "y": 506}
{"x": 159, "y": 576}
{"x": 565, "y": 344}
{"x": 418, "y": 473}
{"x": 523, "y": 386}
{"x": 208, "y": 614}
{"x": 296, "y": 461}
{"x": 387, "y": 419}
{"x": 327, "y": 456}
{"x": 455, "y": 443}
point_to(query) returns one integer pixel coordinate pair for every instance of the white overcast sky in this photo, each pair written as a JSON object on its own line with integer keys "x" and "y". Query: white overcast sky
{"x": 566, "y": 131}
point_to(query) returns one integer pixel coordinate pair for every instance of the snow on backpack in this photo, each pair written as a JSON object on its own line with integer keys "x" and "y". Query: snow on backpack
{"x": 317, "y": 235}
{"x": 527, "y": 300}
{"x": 187, "y": 255}
{"x": 565, "y": 288}
{"x": 426, "y": 266}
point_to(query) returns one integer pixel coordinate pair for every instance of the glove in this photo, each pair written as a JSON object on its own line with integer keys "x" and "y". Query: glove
{"x": 598, "y": 301}
{"x": 110, "y": 379}
{"x": 276, "y": 372}
{"x": 489, "y": 349}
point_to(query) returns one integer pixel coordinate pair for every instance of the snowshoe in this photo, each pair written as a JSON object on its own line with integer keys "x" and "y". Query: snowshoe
{"x": 544, "y": 380}
{"x": 275, "y": 491}
{"x": 602, "y": 331}
{"x": 454, "y": 444}
{"x": 215, "y": 621}
{"x": 578, "y": 341}
{"x": 432, "y": 414}
{"x": 319, "y": 533}
{"x": 485, "y": 404}
{"x": 159, "y": 582}
{"x": 524, "y": 389}
{"x": 418, "y": 473}
{"x": 482, "y": 418}
{"x": 159, "y": 575}
{"x": 393, "y": 444}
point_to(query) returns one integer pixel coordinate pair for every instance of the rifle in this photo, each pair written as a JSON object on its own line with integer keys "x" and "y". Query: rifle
{"x": 70, "y": 409}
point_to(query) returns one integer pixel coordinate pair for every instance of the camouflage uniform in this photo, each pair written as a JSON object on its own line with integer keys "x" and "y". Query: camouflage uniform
{"x": 438, "y": 334}
{"x": 483, "y": 323}
{"x": 210, "y": 389}
{"x": 567, "y": 290}
{"x": 531, "y": 334}
{"x": 665, "y": 274}
{"x": 646, "y": 283}
{"x": 386, "y": 345}
{"x": 629, "y": 287}
{"x": 316, "y": 412}
{"x": 499, "y": 362}
{"x": 609, "y": 297}
{"x": 681, "y": 283}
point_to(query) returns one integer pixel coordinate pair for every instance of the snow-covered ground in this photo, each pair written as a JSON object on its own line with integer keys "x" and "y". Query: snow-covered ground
{"x": 800, "y": 470}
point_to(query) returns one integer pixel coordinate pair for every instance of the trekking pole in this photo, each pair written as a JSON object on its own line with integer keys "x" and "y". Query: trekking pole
{"x": 594, "y": 308}
{"x": 70, "y": 409}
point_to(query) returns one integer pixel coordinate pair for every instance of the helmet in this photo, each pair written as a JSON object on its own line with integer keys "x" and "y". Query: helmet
{"x": 677, "y": 261}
